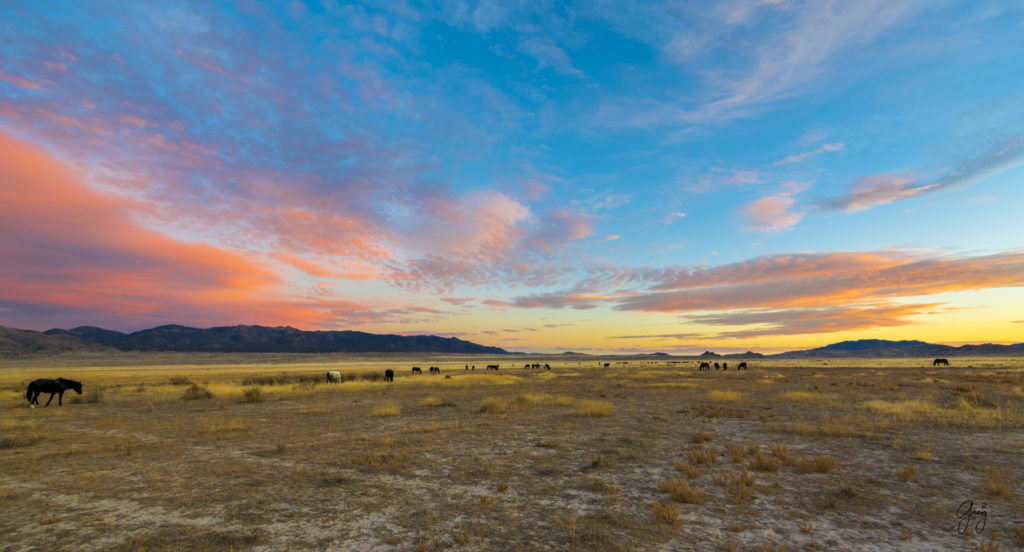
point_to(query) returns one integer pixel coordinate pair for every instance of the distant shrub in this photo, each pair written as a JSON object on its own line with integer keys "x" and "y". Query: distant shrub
{"x": 196, "y": 392}
{"x": 252, "y": 394}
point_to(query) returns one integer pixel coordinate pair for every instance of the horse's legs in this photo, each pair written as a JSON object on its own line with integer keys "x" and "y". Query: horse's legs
{"x": 51, "y": 399}
{"x": 60, "y": 398}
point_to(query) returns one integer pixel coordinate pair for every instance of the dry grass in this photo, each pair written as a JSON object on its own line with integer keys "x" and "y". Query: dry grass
{"x": 701, "y": 437}
{"x": 764, "y": 463}
{"x": 702, "y": 456}
{"x": 318, "y": 467}
{"x": 688, "y": 469}
{"x": 591, "y": 408}
{"x": 722, "y": 396}
{"x": 798, "y": 396}
{"x": 433, "y": 402}
{"x": 679, "y": 490}
{"x": 818, "y": 464}
{"x": 667, "y": 513}
{"x": 995, "y": 482}
{"x": 385, "y": 410}
{"x": 907, "y": 473}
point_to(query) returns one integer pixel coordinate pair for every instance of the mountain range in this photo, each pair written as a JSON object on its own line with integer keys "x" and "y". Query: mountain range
{"x": 285, "y": 339}
{"x": 235, "y": 339}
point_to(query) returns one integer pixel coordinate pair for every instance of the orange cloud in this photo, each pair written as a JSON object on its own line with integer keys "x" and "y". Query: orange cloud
{"x": 68, "y": 249}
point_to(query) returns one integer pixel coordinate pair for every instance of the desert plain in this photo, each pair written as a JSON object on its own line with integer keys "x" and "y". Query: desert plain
{"x": 258, "y": 452}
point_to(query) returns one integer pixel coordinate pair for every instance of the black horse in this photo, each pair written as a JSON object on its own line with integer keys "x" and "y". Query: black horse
{"x": 940, "y": 361}
{"x": 53, "y": 387}
{"x": 389, "y": 375}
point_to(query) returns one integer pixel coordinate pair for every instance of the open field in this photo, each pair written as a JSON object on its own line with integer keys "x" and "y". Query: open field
{"x": 255, "y": 452}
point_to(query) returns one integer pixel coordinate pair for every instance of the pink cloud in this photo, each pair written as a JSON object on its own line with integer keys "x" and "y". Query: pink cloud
{"x": 71, "y": 253}
{"x": 19, "y": 81}
{"x": 772, "y": 213}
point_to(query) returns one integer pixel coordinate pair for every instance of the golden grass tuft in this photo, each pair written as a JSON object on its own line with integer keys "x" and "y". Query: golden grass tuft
{"x": 818, "y": 464}
{"x": 688, "y": 469}
{"x": 907, "y": 473}
{"x": 764, "y": 463}
{"x": 699, "y": 455}
{"x": 722, "y": 396}
{"x": 922, "y": 454}
{"x": 590, "y": 408}
{"x": 736, "y": 451}
{"x": 679, "y": 490}
{"x": 389, "y": 409}
{"x": 701, "y": 437}
{"x": 1018, "y": 533}
{"x": 995, "y": 482}
{"x": 432, "y": 401}
{"x": 667, "y": 513}
{"x": 782, "y": 453}
{"x": 799, "y": 396}
{"x": 495, "y": 405}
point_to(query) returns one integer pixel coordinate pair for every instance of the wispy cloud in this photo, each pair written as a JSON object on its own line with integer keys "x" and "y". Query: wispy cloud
{"x": 797, "y": 157}
{"x": 879, "y": 189}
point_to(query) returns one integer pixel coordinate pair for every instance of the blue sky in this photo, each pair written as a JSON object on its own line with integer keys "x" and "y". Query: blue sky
{"x": 598, "y": 176}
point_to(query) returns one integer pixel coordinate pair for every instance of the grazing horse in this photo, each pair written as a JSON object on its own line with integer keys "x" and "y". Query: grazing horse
{"x": 607, "y": 364}
{"x": 725, "y": 366}
{"x": 416, "y": 370}
{"x": 53, "y": 387}
{"x": 333, "y": 377}
{"x": 717, "y": 366}
{"x": 547, "y": 366}
{"x": 742, "y": 366}
{"x": 940, "y": 362}
{"x": 435, "y": 370}
{"x": 389, "y": 375}
{"x": 492, "y": 366}
{"x": 704, "y": 366}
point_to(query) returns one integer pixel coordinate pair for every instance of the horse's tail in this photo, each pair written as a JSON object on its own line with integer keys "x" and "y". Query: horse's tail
{"x": 28, "y": 394}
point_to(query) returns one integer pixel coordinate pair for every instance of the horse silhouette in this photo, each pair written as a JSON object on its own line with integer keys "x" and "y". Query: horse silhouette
{"x": 53, "y": 387}
{"x": 389, "y": 375}
{"x": 704, "y": 366}
{"x": 940, "y": 362}
{"x": 742, "y": 366}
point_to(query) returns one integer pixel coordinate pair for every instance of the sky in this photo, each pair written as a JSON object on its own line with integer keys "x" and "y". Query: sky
{"x": 595, "y": 176}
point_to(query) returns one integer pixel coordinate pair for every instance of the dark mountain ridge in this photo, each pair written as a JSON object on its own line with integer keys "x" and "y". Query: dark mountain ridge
{"x": 263, "y": 339}
{"x": 881, "y": 348}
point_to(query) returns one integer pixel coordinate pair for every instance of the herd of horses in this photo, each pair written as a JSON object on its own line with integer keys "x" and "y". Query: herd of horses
{"x": 724, "y": 366}
{"x": 60, "y": 385}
